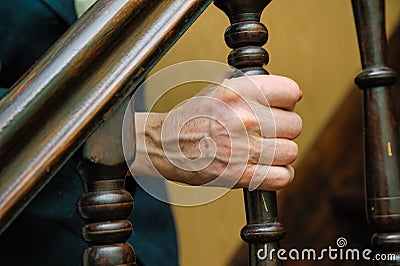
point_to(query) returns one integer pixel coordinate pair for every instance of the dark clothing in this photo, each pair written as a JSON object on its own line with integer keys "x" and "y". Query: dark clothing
{"x": 27, "y": 29}
{"x": 48, "y": 230}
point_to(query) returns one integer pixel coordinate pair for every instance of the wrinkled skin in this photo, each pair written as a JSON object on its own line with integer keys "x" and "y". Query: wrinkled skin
{"x": 237, "y": 134}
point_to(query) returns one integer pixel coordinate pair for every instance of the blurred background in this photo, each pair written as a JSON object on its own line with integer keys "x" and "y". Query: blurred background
{"x": 313, "y": 42}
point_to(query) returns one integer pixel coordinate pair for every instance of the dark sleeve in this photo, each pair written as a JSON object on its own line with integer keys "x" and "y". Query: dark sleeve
{"x": 27, "y": 29}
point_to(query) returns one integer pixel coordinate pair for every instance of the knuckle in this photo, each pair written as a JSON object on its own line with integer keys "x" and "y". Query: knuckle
{"x": 286, "y": 151}
{"x": 297, "y": 124}
{"x": 283, "y": 179}
{"x": 294, "y": 89}
{"x": 291, "y": 91}
{"x": 292, "y": 151}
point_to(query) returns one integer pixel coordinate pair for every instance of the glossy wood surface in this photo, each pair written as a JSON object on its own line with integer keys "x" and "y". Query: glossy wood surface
{"x": 245, "y": 36}
{"x": 329, "y": 181}
{"x": 382, "y": 158}
{"x": 54, "y": 107}
{"x": 382, "y": 190}
{"x": 104, "y": 206}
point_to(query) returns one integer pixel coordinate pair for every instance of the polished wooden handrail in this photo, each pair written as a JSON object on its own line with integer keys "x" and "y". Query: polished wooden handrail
{"x": 55, "y": 106}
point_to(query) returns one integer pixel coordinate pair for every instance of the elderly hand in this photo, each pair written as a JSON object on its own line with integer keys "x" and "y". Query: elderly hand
{"x": 236, "y": 134}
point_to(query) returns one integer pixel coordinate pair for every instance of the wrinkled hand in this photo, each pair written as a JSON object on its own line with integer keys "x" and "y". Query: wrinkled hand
{"x": 237, "y": 134}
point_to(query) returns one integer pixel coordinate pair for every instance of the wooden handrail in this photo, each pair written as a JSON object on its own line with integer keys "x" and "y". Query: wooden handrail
{"x": 55, "y": 106}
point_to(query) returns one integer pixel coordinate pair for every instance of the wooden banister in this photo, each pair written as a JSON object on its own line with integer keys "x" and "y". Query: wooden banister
{"x": 80, "y": 81}
{"x": 245, "y": 36}
{"x": 55, "y": 106}
{"x": 381, "y": 141}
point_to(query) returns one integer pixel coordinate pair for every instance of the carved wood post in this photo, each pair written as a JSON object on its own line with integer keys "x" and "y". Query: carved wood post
{"x": 382, "y": 177}
{"x": 245, "y": 36}
{"x": 105, "y": 205}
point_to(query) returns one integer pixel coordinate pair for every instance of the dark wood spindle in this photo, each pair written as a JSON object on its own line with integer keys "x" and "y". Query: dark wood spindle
{"x": 101, "y": 59}
{"x": 105, "y": 205}
{"x": 382, "y": 177}
{"x": 245, "y": 36}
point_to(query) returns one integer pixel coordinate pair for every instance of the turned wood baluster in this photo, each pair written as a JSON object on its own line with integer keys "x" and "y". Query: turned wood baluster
{"x": 245, "y": 36}
{"x": 105, "y": 205}
{"x": 382, "y": 177}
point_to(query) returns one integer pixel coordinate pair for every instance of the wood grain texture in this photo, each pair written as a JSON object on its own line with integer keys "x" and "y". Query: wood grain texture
{"x": 104, "y": 206}
{"x": 304, "y": 48}
{"x": 326, "y": 199}
{"x": 381, "y": 141}
{"x": 76, "y": 85}
{"x": 245, "y": 36}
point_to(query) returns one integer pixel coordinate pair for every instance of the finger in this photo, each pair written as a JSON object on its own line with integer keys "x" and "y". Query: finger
{"x": 285, "y": 153}
{"x": 268, "y": 90}
{"x": 266, "y": 177}
{"x": 272, "y": 122}
{"x": 280, "y": 92}
{"x": 287, "y": 124}
{"x": 277, "y": 152}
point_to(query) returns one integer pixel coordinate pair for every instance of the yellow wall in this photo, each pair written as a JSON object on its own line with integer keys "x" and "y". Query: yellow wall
{"x": 311, "y": 41}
